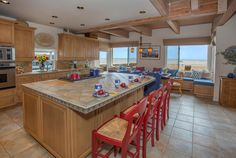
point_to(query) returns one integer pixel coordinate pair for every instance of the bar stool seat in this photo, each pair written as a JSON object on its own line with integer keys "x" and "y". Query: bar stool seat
{"x": 114, "y": 129}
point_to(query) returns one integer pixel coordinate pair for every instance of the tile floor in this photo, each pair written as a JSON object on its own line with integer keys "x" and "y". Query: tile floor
{"x": 197, "y": 128}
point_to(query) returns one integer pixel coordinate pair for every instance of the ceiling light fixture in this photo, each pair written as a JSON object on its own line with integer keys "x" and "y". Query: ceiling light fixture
{"x": 140, "y": 50}
{"x": 80, "y": 7}
{"x": 54, "y": 16}
{"x": 82, "y": 24}
{"x": 52, "y": 23}
{"x": 142, "y": 12}
{"x": 107, "y": 19}
{"x": 5, "y": 1}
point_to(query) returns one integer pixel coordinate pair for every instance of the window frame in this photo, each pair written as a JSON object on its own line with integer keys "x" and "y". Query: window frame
{"x": 128, "y": 56}
{"x": 179, "y": 50}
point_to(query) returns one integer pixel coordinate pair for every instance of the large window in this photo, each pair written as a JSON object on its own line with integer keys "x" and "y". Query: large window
{"x": 124, "y": 55}
{"x": 187, "y": 55}
{"x": 50, "y": 64}
{"x": 102, "y": 58}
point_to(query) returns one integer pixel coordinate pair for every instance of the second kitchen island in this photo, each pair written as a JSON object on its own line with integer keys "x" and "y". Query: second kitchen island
{"x": 61, "y": 115}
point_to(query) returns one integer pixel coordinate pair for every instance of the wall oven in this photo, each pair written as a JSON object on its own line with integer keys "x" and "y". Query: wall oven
{"x": 7, "y": 68}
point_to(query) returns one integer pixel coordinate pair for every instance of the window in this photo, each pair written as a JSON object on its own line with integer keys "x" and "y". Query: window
{"x": 194, "y": 55}
{"x": 50, "y": 64}
{"x": 102, "y": 58}
{"x": 124, "y": 55}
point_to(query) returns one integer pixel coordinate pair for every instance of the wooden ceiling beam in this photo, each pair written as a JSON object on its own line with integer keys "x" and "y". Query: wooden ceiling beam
{"x": 103, "y": 35}
{"x": 127, "y": 24}
{"x": 142, "y": 29}
{"x": 174, "y": 26}
{"x": 223, "y": 18}
{"x": 222, "y": 6}
{"x": 117, "y": 32}
{"x": 194, "y": 4}
{"x": 161, "y": 6}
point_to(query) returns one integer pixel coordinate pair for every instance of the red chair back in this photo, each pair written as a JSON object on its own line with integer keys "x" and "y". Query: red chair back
{"x": 134, "y": 122}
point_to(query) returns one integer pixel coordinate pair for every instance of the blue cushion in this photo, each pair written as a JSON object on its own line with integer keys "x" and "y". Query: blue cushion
{"x": 188, "y": 79}
{"x": 203, "y": 82}
{"x": 173, "y": 72}
{"x": 154, "y": 85}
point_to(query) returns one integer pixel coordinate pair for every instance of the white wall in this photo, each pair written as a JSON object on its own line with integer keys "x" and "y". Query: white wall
{"x": 160, "y": 34}
{"x": 225, "y": 37}
{"x": 46, "y": 29}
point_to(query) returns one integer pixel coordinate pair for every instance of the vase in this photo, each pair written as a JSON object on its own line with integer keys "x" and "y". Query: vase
{"x": 42, "y": 66}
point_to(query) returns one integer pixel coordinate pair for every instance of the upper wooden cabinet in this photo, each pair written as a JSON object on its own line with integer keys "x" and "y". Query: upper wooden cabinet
{"x": 72, "y": 47}
{"x": 24, "y": 43}
{"x": 6, "y": 33}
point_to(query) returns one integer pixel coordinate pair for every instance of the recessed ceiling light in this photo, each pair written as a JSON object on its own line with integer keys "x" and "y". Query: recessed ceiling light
{"x": 5, "y": 1}
{"x": 82, "y": 24}
{"x": 80, "y": 7}
{"x": 52, "y": 23}
{"x": 142, "y": 12}
{"x": 54, "y": 16}
{"x": 107, "y": 19}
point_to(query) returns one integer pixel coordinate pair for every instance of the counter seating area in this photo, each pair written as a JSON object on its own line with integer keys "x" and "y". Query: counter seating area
{"x": 139, "y": 122}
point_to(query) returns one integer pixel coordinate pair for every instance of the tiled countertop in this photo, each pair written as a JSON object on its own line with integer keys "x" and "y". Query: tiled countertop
{"x": 78, "y": 95}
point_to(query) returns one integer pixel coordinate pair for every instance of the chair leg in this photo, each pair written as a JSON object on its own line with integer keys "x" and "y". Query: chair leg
{"x": 144, "y": 147}
{"x": 124, "y": 152}
{"x": 94, "y": 146}
{"x": 168, "y": 107}
{"x": 157, "y": 124}
{"x": 153, "y": 129}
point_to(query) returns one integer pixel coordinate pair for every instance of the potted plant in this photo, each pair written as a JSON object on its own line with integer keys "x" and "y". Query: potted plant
{"x": 41, "y": 59}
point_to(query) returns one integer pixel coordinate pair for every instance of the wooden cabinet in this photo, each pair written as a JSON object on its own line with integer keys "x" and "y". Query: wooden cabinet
{"x": 228, "y": 92}
{"x": 7, "y": 97}
{"x": 24, "y": 43}
{"x": 31, "y": 115}
{"x": 6, "y": 32}
{"x": 73, "y": 47}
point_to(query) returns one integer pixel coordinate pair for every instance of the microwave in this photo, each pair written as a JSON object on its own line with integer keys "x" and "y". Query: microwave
{"x": 7, "y": 54}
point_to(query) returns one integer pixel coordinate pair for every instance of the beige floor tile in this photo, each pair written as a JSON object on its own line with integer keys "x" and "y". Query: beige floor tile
{"x": 227, "y": 147}
{"x": 184, "y": 125}
{"x": 182, "y": 134}
{"x": 185, "y": 118}
{"x": 16, "y": 115}
{"x": 170, "y": 122}
{"x": 206, "y": 141}
{"x": 167, "y": 130}
{"x": 36, "y": 151}
{"x": 180, "y": 146}
{"x": 204, "y": 152}
{"x": 202, "y": 122}
{"x": 3, "y": 153}
{"x": 204, "y": 130}
{"x": 17, "y": 142}
{"x": 170, "y": 153}
{"x": 7, "y": 126}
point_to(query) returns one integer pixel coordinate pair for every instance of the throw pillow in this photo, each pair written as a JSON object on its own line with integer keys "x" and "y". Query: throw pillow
{"x": 173, "y": 72}
{"x": 155, "y": 69}
{"x": 196, "y": 74}
{"x": 141, "y": 69}
{"x": 188, "y": 74}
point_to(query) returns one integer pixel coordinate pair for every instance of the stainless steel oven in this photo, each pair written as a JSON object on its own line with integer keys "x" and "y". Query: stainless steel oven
{"x": 7, "y": 67}
{"x": 7, "y": 54}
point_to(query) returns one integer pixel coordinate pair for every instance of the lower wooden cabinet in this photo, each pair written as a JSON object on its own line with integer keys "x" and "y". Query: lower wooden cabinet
{"x": 228, "y": 92}
{"x": 7, "y": 97}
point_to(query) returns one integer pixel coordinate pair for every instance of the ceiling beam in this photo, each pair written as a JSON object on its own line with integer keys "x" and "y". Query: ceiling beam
{"x": 142, "y": 29}
{"x": 194, "y": 4}
{"x": 117, "y": 32}
{"x": 103, "y": 35}
{"x": 228, "y": 14}
{"x": 222, "y": 6}
{"x": 174, "y": 26}
{"x": 149, "y": 20}
{"x": 161, "y": 6}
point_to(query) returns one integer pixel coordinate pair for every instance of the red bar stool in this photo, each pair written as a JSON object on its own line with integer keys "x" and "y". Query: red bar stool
{"x": 120, "y": 132}
{"x": 169, "y": 86}
{"x": 163, "y": 106}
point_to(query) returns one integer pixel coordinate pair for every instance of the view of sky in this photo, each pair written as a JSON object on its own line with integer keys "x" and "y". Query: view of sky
{"x": 193, "y": 52}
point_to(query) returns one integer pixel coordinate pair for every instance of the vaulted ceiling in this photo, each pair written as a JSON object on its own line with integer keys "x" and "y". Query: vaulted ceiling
{"x": 124, "y": 15}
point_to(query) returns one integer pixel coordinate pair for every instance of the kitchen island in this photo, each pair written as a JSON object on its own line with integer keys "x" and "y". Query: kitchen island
{"x": 61, "y": 115}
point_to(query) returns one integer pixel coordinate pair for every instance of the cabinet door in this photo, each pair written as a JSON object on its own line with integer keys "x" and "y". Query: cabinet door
{"x": 6, "y": 32}
{"x": 66, "y": 47}
{"x": 24, "y": 43}
{"x": 32, "y": 114}
{"x": 79, "y": 48}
